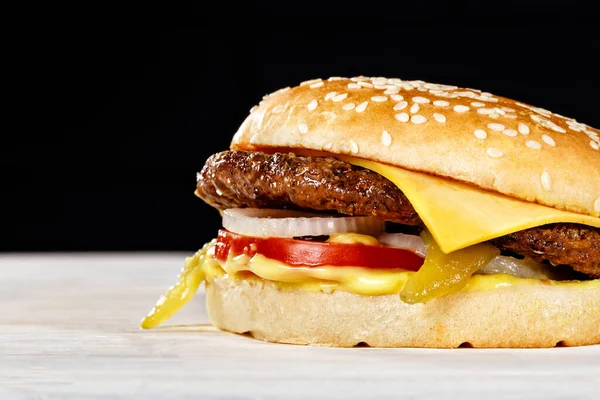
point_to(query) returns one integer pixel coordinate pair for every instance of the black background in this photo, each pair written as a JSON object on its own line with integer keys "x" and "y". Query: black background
{"x": 115, "y": 108}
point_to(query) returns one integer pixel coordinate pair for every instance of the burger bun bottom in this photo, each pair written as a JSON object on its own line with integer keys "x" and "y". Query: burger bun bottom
{"x": 524, "y": 316}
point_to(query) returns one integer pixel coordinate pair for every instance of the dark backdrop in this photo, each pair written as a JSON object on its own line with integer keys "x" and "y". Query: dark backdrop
{"x": 117, "y": 107}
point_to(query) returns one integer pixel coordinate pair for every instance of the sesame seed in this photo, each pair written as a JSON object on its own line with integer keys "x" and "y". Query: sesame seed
{"x": 542, "y": 111}
{"x": 508, "y": 109}
{"x": 536, "y": 118}
{"x": 557, "y": 128}
{"x": 400, "y": 106}
{"x": 548, "y": 140}
{"x": 546, "y": 181}
{"x": 477, "y": 104}
{"x": 496, "y": 127}
{"x": 418, "y": 119}
{"x": 379, "y": 81}
{"x": 354, "y": 86}
{"x": 402, "y": 117}
{"x": 439, "y": 117}
{"x": 336, "y": 78}
{"x": 414, "y": 108}
{"x": 394, "y": 81}
{"x": 447, "y": 87}
{"x": 512, "y": 116}
{"x": 392, "y": 90}
{"x": 379, "y": 99}
{"x": 510, "y": 132}
{"x": 523, "y": 129}
{"x": 380, "y": 87}
{"x": 421, "y": 100}
{"x": 302, "y": 128}
{"x": 365, "y": 84}
{"x": 594, "y": 145}
{"x": 500, "y": 111}
{"x": 466, "y": 94}
{"x": 485, "y": 111}
{"x": 532, "y": 144}
{"x": 310, "y": 82}
{"x": 597, "y": 205}
{"x": 316, "y": 85}
{"x": 397, "y": 97}
{"x": 431, "y": 86}
{"x": 494, "y": 115}
{"x": 441, "y": 103}
{"x": 362, "y": 106}
{"x": 339, "y": 97}
{"x": 312, "y": 105}
{"x": 494, "y": 152}
{"x": 348, "y": 106}
{"x": 490, "y": 99}
{"x": 353, "y": 146}
{"x": 487, "y": 96}
{"x": 460, "y": 108}
{"x": 329, "y": 95}
{"x": 480, "y": 134}
{"x": 278, "y": 109}
{"x": 386, "y": 138}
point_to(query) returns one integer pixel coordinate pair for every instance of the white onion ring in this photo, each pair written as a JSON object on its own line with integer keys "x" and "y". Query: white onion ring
{"x": 520, "y": 268}
{"x": 287, "y": 223}
{"x": 403, "y": 241}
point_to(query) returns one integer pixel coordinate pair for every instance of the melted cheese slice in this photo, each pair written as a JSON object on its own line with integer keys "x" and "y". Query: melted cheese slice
{"x": 459, "y": 215}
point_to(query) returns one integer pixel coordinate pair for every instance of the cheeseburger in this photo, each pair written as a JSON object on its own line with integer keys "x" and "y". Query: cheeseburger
{"x": 392, "y": 213}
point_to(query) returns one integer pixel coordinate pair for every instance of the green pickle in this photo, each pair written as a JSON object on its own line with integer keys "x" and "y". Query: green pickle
{"x": 178, "y": 295}
{"x": 442, "y": 274}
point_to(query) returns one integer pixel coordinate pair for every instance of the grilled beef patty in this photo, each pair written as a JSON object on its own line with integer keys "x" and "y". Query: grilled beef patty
{"x": 255, "y": 179}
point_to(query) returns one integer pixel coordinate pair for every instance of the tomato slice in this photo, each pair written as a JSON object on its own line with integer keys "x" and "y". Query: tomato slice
{"x": 307, "y": 253}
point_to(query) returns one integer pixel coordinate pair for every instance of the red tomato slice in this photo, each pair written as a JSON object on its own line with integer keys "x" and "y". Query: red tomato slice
{"x": 312, "y": 254}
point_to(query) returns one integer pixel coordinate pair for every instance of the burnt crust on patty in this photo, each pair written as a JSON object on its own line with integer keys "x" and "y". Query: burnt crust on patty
{"x": 283, "y": 180}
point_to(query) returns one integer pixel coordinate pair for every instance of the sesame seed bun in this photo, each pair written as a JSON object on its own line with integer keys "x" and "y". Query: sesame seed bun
{"x": 489, "y": 141}
{"x": 519, "y": 316}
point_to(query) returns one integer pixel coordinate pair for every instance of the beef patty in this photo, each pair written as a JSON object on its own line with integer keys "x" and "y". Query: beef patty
{"x": 255, "y": 179}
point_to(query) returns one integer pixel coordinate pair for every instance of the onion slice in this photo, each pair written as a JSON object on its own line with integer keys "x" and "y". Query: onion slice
{"x": 289, "y": 223}
{"x": 526, "y": 268}
{"x": 403, "y": 241}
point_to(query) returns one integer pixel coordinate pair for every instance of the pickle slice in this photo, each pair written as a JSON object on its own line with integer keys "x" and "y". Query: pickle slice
{"x": 178, "y": 295}
{"x": 442, "y": 273}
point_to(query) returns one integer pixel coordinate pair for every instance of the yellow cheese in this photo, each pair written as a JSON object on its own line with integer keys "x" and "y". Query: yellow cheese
{"x": 460, "y": 215}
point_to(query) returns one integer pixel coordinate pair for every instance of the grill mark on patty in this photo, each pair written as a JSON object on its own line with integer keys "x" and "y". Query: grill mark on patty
{"x": 283, "y": 180}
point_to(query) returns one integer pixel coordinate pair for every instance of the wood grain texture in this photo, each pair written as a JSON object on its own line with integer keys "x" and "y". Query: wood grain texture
{"x": 68, "y": 330}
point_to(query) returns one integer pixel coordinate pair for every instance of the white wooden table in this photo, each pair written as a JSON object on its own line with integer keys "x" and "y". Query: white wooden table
{"x": 69, "y": 330}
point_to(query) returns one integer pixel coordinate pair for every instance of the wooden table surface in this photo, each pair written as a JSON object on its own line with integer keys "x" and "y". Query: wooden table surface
{"x": 69, "y": 330}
